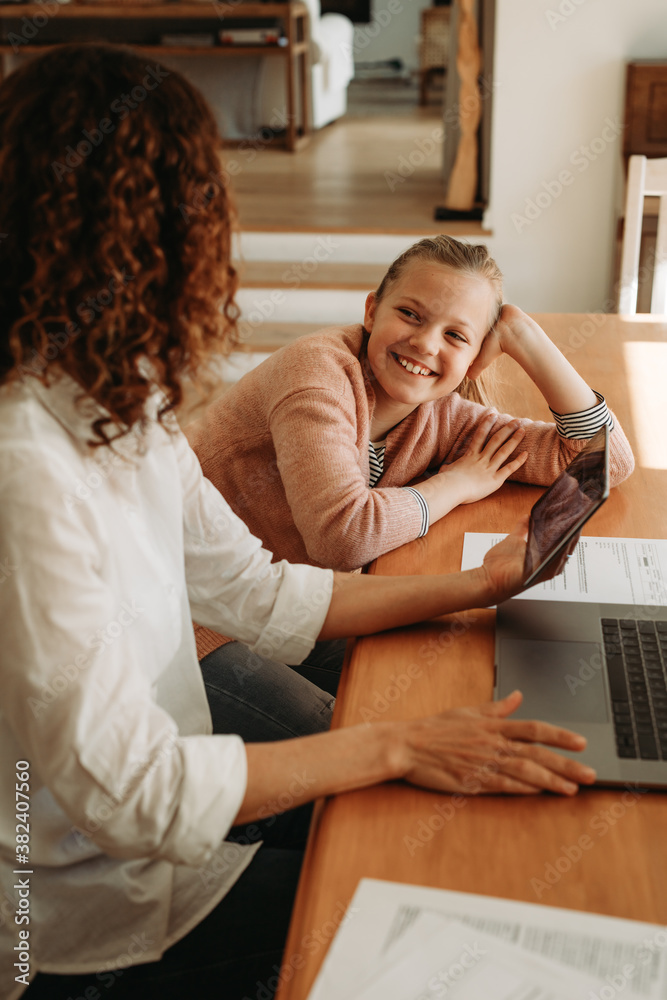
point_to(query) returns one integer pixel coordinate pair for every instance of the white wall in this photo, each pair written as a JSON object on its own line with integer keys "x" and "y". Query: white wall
{"x": 557, "y": 87}
{"x": 391, "y": 33}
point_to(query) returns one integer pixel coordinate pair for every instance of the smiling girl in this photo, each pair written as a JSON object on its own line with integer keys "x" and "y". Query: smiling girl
{"x": 314, "y": 448}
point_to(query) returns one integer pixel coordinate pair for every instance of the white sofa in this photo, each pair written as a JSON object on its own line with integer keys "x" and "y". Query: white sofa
{"x": 332, "y": 68}
{"x": 250, "y": 94}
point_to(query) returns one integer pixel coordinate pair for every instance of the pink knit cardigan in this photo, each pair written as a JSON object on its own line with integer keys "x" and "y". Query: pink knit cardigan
{"x": 287, "y": 447}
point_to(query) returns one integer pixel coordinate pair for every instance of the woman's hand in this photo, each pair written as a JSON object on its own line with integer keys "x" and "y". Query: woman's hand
{"x": 479, "y": 750}
{"x": 486, "y": 463}
{"x": 504, "y": 563}
{"x": 467, "y": 750}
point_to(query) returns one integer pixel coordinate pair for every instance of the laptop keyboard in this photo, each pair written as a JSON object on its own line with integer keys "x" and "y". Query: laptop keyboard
{"x": 636, "y": 653}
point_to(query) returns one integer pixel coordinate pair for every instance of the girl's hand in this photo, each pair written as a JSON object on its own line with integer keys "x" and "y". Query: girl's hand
{"x": 479, "y": 750}
{"x": 485, "y": 466}
{"x": 524, "y": 340}
{"x": 511, "y": 323}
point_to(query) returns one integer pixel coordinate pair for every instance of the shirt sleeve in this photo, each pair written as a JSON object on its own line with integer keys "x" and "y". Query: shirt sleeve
{"x": 344, "y": 524}
{"x": 424, "y": 508}
{"x": 78, "y": 688}
{"x": 585, "y": 423}
{"x": 278, "y": 609}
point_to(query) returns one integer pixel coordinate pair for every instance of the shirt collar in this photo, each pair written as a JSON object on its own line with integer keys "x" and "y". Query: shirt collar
{"x": 68, "y": 403}
{"x": 76, "y": 411}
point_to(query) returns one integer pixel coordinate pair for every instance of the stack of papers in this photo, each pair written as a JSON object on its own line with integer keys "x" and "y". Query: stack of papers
{"x": 404, "y": 942}
{"x": 609, "y": 570}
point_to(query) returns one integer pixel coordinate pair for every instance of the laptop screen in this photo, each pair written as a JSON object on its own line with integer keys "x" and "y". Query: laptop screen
{"x": 561, "y": 512}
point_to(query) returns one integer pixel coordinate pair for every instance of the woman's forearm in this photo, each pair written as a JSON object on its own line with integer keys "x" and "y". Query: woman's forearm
{"x": 361, "y": 605}
{"x": 288, "y": 773}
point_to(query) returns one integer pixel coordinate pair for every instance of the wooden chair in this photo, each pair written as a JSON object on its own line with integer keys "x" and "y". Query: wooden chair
{"x": 646, "y": 177}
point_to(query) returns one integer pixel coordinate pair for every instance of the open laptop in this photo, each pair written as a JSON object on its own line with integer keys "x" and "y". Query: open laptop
{"x": 599, "y": 669}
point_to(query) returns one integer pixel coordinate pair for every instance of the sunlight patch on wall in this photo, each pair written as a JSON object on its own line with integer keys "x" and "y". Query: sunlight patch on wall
{"x": 646, "y": 366}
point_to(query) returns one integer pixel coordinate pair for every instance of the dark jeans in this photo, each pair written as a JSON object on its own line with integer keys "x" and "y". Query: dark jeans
{"x": 235, "y": 952}
{"x": 322, "y": 667}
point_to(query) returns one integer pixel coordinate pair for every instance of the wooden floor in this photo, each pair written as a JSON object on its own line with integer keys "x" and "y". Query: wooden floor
{"x": 366, "y": 173}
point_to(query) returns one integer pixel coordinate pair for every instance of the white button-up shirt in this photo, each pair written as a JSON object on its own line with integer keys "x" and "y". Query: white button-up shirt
{"x": 105, "y": 557}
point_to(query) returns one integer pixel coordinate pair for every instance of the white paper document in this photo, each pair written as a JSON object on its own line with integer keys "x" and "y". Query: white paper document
{"x": 405, "y": 942}
{"x": 609, "y": 570}
{"x": 449, "y": 959}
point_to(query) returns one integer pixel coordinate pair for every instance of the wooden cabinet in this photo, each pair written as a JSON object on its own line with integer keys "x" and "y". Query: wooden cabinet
{"x": 646, "y": 109}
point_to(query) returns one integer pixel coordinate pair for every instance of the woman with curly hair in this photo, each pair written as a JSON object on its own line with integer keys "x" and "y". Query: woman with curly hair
{"x": 151, "y": 782}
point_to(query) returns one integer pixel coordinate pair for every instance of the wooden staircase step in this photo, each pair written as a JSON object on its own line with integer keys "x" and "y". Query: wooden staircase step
{"x": 268, "y": 337}
{"x": 309, "y": 273}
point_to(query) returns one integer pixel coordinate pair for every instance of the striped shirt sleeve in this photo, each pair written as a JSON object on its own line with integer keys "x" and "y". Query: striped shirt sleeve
{"x": 585, "y": 423}
{"x": 423, "y": 506}
{"x": 375, "y": 462}
{"x": 376, "y": 468}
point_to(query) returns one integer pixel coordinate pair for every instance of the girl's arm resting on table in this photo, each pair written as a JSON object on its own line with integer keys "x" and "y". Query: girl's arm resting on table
{"x": 342, "y": 522}
{"x": 465, "y": 750}
{"x": 491, "y": 457}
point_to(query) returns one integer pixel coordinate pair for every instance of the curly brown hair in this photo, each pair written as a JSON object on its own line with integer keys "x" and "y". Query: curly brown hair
{"x": 116, "y": 225}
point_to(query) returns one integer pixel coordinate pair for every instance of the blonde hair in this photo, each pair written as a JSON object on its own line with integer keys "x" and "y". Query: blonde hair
{"x": 466, "y": 258}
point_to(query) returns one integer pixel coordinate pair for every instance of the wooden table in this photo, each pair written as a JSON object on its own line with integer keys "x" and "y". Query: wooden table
{"x": 25, "y": 22}
{"x": 498, "y": 846}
